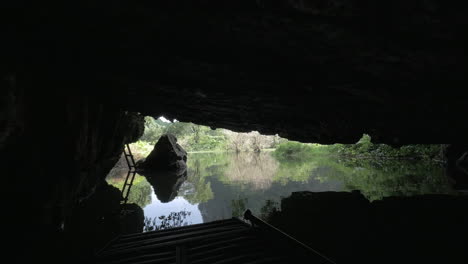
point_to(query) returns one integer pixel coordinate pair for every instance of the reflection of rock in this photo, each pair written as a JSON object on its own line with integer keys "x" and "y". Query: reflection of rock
{"x": 166, "y": 184}
{"x": 166, "y": 155}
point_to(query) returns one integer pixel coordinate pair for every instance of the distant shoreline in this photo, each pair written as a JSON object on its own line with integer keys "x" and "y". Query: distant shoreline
{"x": 224, "y": 151}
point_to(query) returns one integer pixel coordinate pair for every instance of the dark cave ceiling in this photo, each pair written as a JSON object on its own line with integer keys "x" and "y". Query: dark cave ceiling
{"x": 314, "y": 71}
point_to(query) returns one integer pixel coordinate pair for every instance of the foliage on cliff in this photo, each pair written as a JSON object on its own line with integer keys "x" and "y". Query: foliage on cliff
{"x": 364, "y": 148}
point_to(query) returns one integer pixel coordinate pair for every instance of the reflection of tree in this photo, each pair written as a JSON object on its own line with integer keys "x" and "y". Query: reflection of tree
{"x": 217, "y": 181}
{"x": 238, "y": 207}
{"x": 226, "y": 190}
{"x": 201, "y": 166}
{"x": 295, "y": 170}
{"x": 268, "y": 209}
{"x": 197, "y": 190}
{"x": 257, "y": 169}
{"x": 174, "y": 219}
{"x": 140, "y": 192}
{"x": 381, "y": 178}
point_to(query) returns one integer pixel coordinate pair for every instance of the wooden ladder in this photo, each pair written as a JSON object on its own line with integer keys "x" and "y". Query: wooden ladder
{"x": 131, "y": 173}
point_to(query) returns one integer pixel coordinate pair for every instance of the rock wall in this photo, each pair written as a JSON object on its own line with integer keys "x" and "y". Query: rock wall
{"x": 58, "y": 148}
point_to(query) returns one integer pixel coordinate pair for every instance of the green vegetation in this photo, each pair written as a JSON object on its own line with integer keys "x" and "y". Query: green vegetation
{"x": 223, "y": 182}
{"x": 268, "y": 209}
{"x": 382, "y": 178}
{"x": 302, "y": 169}
{"x": 364, "y": 148}
{"x": 190, "y": 136}
{"x": 199, "y": 190}
{"x": 250, "y": 174}
{"x": 238, "y": 207}
{"x": 140, "y": 192}
{"x": 234, "y": 170}
{"x": 293, "y": 150}
{"x": 198, "y": 138}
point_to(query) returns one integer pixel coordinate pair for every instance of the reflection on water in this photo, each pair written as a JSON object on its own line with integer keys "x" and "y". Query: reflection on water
{"x": 222, "y": 185}
{"x": 178, "y": 212}
{"x": 166, "y": 184}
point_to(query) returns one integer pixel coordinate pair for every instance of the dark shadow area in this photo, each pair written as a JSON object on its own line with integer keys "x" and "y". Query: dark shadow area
{"x": 457, "y": 165}
{"x": 90, "y": 226}
{"x": 97, "y": 221}
{"x": 350, "y": 229}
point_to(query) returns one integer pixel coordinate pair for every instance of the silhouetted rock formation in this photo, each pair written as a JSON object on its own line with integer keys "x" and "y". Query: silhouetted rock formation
{"x": 350, "y": 229}
{"x": 166, "y": 155}
{"x": 70, "y": 144}
{"x": 96, "y": 221}
{"x": 165, "y": 168}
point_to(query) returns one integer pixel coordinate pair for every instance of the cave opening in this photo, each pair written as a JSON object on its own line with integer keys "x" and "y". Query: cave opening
{"x": 78, "y": 79}
{"x": 229, "y": 172}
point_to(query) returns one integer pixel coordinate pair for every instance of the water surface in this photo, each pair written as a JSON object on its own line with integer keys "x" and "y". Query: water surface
{"x": 223, "y": 185}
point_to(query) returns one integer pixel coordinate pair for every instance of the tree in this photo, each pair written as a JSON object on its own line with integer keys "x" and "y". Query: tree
{"x": 252, "y": 141}
{"x": 153, "y": 130}
{"x": 259, "y": 141}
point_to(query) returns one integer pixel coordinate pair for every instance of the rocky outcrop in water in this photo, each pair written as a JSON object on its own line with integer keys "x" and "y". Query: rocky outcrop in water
{"x": 165, "y": 168}
{"x": 167, "y": 155}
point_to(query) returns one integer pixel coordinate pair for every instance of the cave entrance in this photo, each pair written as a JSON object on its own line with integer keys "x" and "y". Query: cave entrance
{"x": 229, "y": 172}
